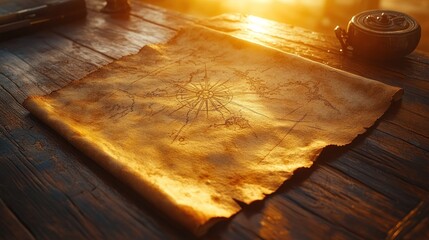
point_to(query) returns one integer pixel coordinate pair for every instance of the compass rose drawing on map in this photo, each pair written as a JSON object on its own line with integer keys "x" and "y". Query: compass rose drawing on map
{"x": 214, "y": 102}
{"x": 205, "y": 96}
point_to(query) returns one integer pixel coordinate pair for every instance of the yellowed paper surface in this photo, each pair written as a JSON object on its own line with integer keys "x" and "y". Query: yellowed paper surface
{"x": 208, "y": 118}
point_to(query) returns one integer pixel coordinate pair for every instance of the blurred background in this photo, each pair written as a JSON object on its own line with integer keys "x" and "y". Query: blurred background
{"x": 317, "y": 15}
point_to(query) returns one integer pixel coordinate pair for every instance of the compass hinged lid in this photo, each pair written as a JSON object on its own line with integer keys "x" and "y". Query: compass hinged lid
{"x": 380, "y": 34}
{"x": 384, "y": 22}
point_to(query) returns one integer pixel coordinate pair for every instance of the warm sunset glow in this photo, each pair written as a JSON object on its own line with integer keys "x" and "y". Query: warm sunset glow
{"x": 257, "y": 24}
{"x": 271, "y": 8}
{"x": 317, "y": 15}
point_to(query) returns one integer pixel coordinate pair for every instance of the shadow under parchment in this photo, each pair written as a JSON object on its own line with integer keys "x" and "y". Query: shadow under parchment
{"x": 207, "y": 118}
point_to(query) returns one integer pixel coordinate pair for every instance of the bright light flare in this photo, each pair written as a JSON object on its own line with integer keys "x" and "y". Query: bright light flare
{"x": 257, "y": 24}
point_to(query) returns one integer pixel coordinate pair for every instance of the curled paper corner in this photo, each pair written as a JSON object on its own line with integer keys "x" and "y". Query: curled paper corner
{"x": 398, "y": 95}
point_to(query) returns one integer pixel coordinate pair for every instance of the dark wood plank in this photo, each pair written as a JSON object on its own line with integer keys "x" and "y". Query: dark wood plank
{"x": 344, "y": 202}
{"x": 416, "y": 104}
{"x": 415, "y": 225}
{"x": 150, "y": 13}
{"x": 51, "y": 63}
{"x": 10, "y": 226}
{"x": 114, "y": 37}
{"x": 13, "y": 6}
{"x": 409, "y": 120}
{"x": 402, "y": 193}
{"x": 23, "y": 75}
{"x": 365, "y": 191}
{"x": 415, "y": 138}
{"x": 420, "y": 231}
{"x": 396, "y": 157}
{"x": 278, "y": 218}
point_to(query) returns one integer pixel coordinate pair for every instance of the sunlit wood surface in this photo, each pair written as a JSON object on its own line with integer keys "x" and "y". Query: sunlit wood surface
{"x": 376, "y": 188}
{"x": 317, "y": 15}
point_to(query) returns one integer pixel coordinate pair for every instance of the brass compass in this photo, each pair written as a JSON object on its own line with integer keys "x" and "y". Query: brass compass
{"x": 380, "y": 35}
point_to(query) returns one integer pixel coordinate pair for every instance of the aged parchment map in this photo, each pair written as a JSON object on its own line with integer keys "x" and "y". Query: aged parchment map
{"x": 207, "y": 119}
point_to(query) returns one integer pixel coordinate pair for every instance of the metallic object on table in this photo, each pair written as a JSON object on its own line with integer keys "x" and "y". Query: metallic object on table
{"x": 380, "y": 35}
{"x": 39, "y": 15}
{"x": 116, "y": 6}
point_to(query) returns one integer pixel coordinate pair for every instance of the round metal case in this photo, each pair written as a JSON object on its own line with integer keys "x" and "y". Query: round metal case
{"x": 380, "y": 34}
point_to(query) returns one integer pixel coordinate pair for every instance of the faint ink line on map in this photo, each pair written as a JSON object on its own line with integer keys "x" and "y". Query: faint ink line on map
{"x": 283, "y": 138}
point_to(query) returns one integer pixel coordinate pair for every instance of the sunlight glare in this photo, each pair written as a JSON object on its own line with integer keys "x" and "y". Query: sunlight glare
{"x": 257, "y": 24}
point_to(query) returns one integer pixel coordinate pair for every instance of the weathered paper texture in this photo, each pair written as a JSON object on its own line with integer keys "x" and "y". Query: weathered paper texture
{"x": 207, "y": 118}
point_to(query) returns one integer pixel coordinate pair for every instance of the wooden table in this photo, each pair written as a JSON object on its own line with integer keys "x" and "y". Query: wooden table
{"x": 375, "y": 188}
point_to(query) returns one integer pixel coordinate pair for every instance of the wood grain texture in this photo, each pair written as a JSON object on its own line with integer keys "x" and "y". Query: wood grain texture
{"x": 10, "y": 226}
{"x": 377, "y": 187}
